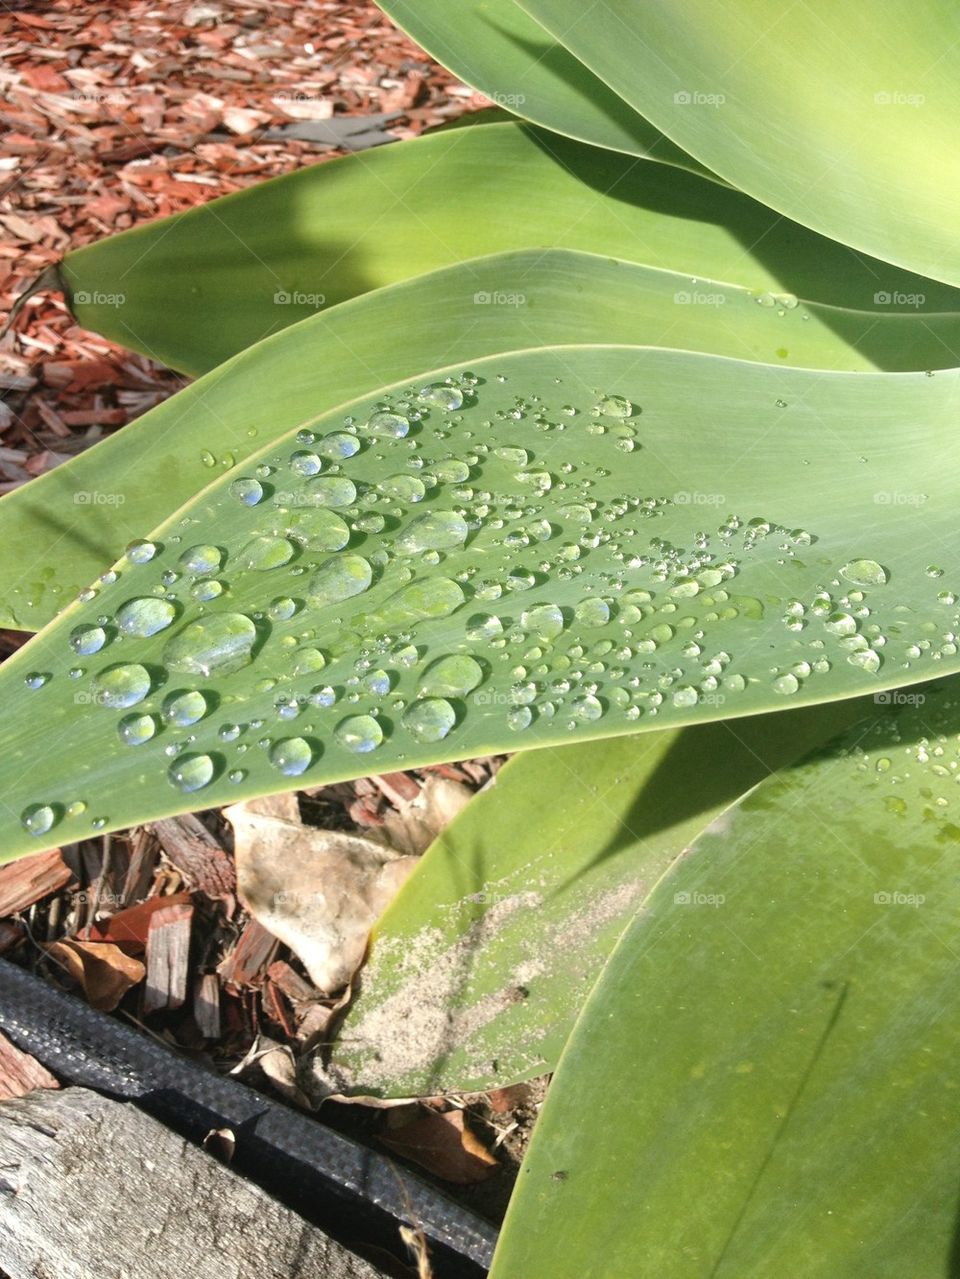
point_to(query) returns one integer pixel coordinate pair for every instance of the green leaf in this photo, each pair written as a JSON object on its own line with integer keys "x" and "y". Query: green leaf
{"x": 838, "y": 116}
{"x": 481, "y": 963}
{"x": 196, "y": 288}
{"x": 753, "y": 1086}
{"x": 498, "y": 49}
{"x": 62, "y": 529}
{"x": 641, "y": 525}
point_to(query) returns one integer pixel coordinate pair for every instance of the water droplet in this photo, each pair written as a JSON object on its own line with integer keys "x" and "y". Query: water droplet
{"x": 331, "y": 490}
{"x": 264, "y": 553}
{"x": 36, "y": 679}
{"x": 191, "y": 772}
{"x": 587, "y": 707}
{"x": 518, "y": 457}
{"x": 145, "y": 616}
{"x": 392, "y": 424}
{"x": 592, "y": 613}
{"x": 248, "y": 491}
{"x": 359, "y": 734}
{"x": 614, "y": 406}
{"x": 786, "y": 683}
{"x": 38, "y": 819}
{"x": 519, "y": 718}
{"x": 429, "y": 720}
{"x": 305, "y": 463}
{"x": 933, "y": 570}
{"x": 433, "y": 531}
{"x": 484, "y": 626}
{"x": 308, "y": 661}
{"x": 134, "y": 730}
{"x": 215, "y": 645}
{"x": 685, "y": 696}
{"x": 201, "y": 560}
{"x": 207, "y": 588}
{"x": 865, "y": 573}
{"x": 338, "y": 579}
{"x": 866, "y": 659}
{"x": 404, "y": 488}
{"x": 432, "y": 598}
{"x": 292, "y": 756}
{"x": 453, "y": 676}
{"x": 438, "y": 395}
{"x": 183, "y": 709}
{"x": 141, "y": 552}
{"x": 122, "y": 686}
{"x": 338, "y": 445}
{"x": 543, "y": 620}
{"x": 86, "y": 640}
{"x": 282, "y": 609}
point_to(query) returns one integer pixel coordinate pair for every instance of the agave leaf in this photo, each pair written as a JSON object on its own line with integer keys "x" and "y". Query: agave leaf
{"x": 760, "y": 1057}
{"x": 196, "y": 288}
{"x": 481, "y": 963}
{"x": 61, "y": 530}
{"x": 497, "y": 48}
{"x": 838, "y": 116}
{"x": 607, "y": 539}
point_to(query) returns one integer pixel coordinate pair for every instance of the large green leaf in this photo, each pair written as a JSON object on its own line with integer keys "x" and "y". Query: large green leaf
{"x": 197, "y": 288}
{"x": 841, "y": 116}
{"x": 481, "y": 964}
{"x": 616, "y": 537}
{"x": 60, "y": 530}
{"x": 497, "y": 48}
{"x": 760, "y": 1082}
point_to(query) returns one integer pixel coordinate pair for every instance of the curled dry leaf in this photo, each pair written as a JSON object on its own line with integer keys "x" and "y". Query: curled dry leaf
{"x": 417, "y": 824}
{"x": 441, "y": 1143}
{"x": 319, "y": 891}
{"x": 104, "y": 972}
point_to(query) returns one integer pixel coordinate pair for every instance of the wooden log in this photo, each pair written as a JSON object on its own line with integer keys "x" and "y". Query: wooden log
{"x": 91, "y": 1186}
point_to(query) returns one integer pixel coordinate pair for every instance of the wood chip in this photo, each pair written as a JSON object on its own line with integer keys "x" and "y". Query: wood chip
{"x": 31, "y": 879}
{"x": 168, "y": 957}
{"x": 20, "y": 1073}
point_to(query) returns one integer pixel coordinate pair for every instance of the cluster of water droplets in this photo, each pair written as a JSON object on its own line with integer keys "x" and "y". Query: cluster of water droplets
{"x": 456, "y": 552}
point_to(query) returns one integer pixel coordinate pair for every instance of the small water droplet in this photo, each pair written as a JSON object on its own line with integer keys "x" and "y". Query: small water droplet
{"x": 145, "y": 616}
{"x": 183, "y": 709}
{"x": 291, "y": 756}
{"x": 429, "y": 720}
{"x": 86, "y": 640}
{"x": 38, "y": 819}
{"x": 134, "y": 730}
{"x": 201, "y": 560}
{"x": 248, "y": 491}
{"x": 122, "y": 686}
{"x": 141, "y": 552}
{"x": 359, "y": 734}
{"x": 439, "y": 395}
{"x": 191, "y": 772}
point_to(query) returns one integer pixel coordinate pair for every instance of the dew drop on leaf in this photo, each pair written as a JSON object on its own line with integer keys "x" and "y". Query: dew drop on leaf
{"x": 247, "y": 491}
{"x": 145, "y": 616}
{"x": 453, "y": 676}
{"x": 191, "y": 772}
{"x": 183, "y": 709}
{"x": 439, "y": 395}
{"x": 392, "y": 424}
{"x": 291, "y": 756}
{"x": 433, "y": 531}
{"x": 86, "y": 640}
{"x": 134, "y": 730}
{"x": 38, "y": 819}
{"x": 339, "y": 578}
{"x": 359, "y": 734}
{"x": 264, "y": 553}
{"x": 543, "y": 620}
{"x": 201, "y": 560}
{"x": 214, "y": 645}
{"x": 864, "y": 573}
{"x": 122, "y": 686}
{"x": 429, "y": 720}
{"x": 331, "y": 490}
{"x": 141, "y": 552}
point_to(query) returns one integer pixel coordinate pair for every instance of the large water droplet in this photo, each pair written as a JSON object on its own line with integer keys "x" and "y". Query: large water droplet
{"x": 38, "y": 819}
{"x": 865, "y": 573}
{"x": 122, "y": 686}
{"x": 436, "y": 597}
{"x": 453, "y": 676}
{"x": 614, "y": 406}
{"x": 392, "y": 424}
{"x": 86, "y": 640}
{"x": 592, "y": 613}
{"x": 433, "y": 531}
{"x": 359, "y": 734}
{"x": 441, "y": 396}
{"x": 543, "y": 620}
{"x": 338, "y": 445}
{"x": 191, "y": 772}
{"x": 292, "y": 756}
{"x": 134, "y": 730}
{"x": 145, "y": 616}
{"x": 201, "y": 560}
{"x": 215, "y": 645}
{"x": 248, "y": 491}
{"x": 429, "y": 720}
{"x": 405, "y": 488}
{"x": 264, "y": 553}
{"x": 184, "y": 709}
{"x": 338, "y": 579}
{"x": 321, "y": 529}
{"x": 141, "y": 552}
{"x": 331, "y": 490}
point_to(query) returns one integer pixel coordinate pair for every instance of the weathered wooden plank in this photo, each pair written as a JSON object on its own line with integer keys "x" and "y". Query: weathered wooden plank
{"x": 91, "y": 1186}
{"x": 20, "y": 1073}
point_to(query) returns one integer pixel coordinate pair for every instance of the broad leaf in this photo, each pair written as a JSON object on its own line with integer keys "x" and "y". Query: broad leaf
{"x": 481, "y": 964}
{"x": 60, "y": 530}
{"x": 568, "y": 542}
{"x": 198, "y": 287}
{"x": 842, "y": 117}
{"x": 762, "y": 1062}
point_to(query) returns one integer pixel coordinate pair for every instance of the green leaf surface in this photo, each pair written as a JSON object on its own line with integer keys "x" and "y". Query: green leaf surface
{"x": 763, "y": 1062}
{"x": 616, "y": 537}
{"x": 497, "y": 48}
{"x": 196, "y": 288}
{"x": 481, "y": 963}
{"x": 62, "y": 529}
{"x": 842, "y": 117}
